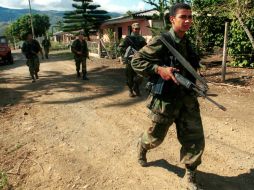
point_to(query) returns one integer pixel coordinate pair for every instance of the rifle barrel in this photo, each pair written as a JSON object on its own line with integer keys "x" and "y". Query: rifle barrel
{"x": 215, "y": 103}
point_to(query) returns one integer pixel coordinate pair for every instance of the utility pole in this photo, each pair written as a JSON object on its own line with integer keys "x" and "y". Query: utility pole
{"x": 31, "y": 18}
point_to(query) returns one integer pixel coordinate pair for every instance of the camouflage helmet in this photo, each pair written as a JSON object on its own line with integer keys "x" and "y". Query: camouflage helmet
{"x": 135, "y": 25}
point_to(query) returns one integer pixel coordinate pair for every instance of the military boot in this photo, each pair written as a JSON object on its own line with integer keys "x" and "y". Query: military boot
{"x": 85, "y": 77}
{"x": 78, "y": 74}
{"x": 190, "y": 180}
{"x": 36, "y": 76}
{"x": 131, "y": 94}
{"x": 136, "y": 90}
{"x": 141, "y": 154}
{"x": 33, "y": 79}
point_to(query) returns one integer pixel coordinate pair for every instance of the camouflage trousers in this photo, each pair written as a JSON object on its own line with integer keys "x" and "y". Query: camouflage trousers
{"x": 34, "y": 65}
{"x": 185, "y": 113}
{"x": 133, "y": 80}
{"x": 81, "y": 61}
{"x": 46, "y": 52}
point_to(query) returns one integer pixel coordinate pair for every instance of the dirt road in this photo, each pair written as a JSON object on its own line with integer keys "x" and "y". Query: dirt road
{"x": 65, "y": 133}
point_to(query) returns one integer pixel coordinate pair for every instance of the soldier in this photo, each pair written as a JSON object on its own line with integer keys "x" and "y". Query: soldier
{"x": 46, "y": 45}
{"x": 175, "y": 104}
{"x": 30, "y": 49}
{"x": 80, "y": 50}
{"x": 135, "y": 41}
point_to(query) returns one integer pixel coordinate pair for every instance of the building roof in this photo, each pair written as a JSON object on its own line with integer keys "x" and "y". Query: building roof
{"x": 147, "y": 13}
{"x": 137, "y": 15}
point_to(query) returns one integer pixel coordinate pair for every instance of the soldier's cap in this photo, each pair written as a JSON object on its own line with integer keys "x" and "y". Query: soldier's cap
{"x": 135, "y": 25}
{"x": 81, "y": 33}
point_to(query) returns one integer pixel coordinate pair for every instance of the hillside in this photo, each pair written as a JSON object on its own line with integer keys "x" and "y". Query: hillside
{"x": 9, "y": 15}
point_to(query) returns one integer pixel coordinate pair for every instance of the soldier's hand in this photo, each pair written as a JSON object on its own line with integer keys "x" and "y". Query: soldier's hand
{"x": 79, "y": 52}
{"x": 166, "y": 73}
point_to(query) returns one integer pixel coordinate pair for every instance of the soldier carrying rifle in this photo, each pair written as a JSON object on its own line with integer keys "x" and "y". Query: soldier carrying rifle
{"x": 80, "y": 50}
{"x": 130, "y": 44}
{"x": 30, "y": 49}
{"x": 173, "y": 103}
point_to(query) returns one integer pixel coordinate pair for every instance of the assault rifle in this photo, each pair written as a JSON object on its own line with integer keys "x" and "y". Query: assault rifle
{"x": 200, "y": 90}
{"x": 157, "y": 88}
{"x": 191, "y": 86}
{"x": 130, "y": 51}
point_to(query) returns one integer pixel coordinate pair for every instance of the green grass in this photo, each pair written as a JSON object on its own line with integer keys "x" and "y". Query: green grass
{"x": 3, "y": 180}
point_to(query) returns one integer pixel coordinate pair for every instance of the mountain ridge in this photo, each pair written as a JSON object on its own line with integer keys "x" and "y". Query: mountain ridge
{"x": 8, "y": 15}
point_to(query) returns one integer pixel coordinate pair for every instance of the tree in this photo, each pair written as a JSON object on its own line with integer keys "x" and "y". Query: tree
{"x": 23, "y": 25}
{"x": 128, "y": 13}
{"x": 162, "y": 6}
{"x": 242, "y": 10}
{"x": 241, "y": 13}
{"x": 86, "y": 17}
{"x": 207, "y": 30}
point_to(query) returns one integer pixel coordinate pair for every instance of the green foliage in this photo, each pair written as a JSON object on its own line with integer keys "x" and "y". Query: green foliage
{"x": 208, "y": 29}
{"x": 207, "y": 32}
{"x": 86, "y": 17}
{"x": 59, "y": 46}
{"x": 3, "y": 180}
{"x": 23, "y": 25}
{"x": 111, "y": 45}
{"x": 240, "y": 47}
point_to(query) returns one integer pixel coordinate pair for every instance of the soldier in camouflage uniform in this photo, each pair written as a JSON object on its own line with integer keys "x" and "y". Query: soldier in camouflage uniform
{"x": 30, "y": 49}
{"x": 80, "y": 50}
{"x": 46, "y": 45}
{"x": 136, "y": 41}
{"x": 175, "y": 104}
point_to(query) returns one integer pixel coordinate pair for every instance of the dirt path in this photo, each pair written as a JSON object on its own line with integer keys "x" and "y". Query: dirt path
{"x": 64, "y": 133}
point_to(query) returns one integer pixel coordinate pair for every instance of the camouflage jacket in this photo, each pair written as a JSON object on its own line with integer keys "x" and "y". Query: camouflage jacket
{"x": 46, "y": 43}
{"x": 78, "y": 46}
{"x": 31, "y": 48}
{"x": 155, "y": 53}
{"x": 135, "y": 41}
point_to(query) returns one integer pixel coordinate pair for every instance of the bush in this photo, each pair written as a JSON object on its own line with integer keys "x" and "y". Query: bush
{"x": 240, "y": 48}
{"x": 59, "y": 46}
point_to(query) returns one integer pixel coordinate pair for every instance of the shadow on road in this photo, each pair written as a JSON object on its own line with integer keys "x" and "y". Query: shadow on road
{"x": 104, "y": 81}
{"x": 20, "y": 60}
{"x": 210, "y": 181}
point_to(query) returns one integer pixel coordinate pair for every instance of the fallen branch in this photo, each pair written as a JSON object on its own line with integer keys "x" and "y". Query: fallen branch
{"x": 19, "y": 167}
{"x": 38, "y": 164}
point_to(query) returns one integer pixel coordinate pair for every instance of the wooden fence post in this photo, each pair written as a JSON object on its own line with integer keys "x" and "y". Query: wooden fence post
{"x": 224, "y": 59}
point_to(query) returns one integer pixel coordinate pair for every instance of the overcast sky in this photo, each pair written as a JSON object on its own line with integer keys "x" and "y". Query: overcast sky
{"x": 109, "y": 5}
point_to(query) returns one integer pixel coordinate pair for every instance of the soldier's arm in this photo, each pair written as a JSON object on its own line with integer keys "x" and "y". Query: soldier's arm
{"x": 73, "y": 47}
{"x": 148, "y": 61}
{"x": 24, "y": 48}
{"x": 86, "y": 50}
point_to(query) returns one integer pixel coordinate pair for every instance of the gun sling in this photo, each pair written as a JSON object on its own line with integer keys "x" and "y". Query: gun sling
{"x": 183, "y": 61}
